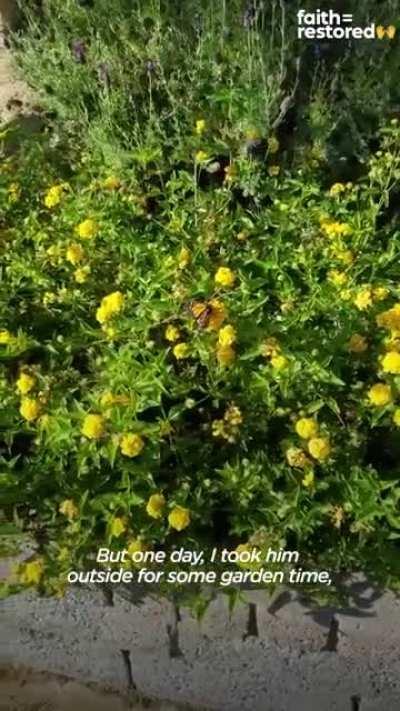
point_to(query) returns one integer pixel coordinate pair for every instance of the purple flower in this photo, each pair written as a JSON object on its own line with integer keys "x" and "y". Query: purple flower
{"x": 79, "y": 49}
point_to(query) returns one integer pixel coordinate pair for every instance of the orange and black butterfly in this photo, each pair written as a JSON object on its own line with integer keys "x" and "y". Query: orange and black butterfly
{"x": 202, "y": 311}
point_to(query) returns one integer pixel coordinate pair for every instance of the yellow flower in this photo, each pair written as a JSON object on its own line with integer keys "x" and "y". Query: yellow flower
{"x": 68, "y": 509}
{"x": 155, "y": 505}
{"x": 231, "y": 173}
{"x": 14, "y": 192}
{"x": 108, "y": 399}
{"x": 131, "y": 444}
{"x": 396, "y": 417}
{"x": 111, "y": 183}
{"x": 308, "y": 479}
{"x": 379, "y": 293}
{"x": 172, "y": 333}
{"x": 297, "y": 458}
{"x": 390, "y": 318}
{"x": 391, "y": 362}
{"x": 233, "y": 416}
{"x": 334, "y": 229}
{"x": 345, "y": 255}
{"x": 380, "y": 394}
{"x": 93, "y": 426}
{"x": 273, "y": 144}
{"x": 5, "y": 337}
{"x": 87, "y": 229}
{"x": 200, "y": 126}
{"x": 109, "y": 306}
{"x": 201, "y": 156}
{"x": 227, "y": 336}
{"x": 53, "y": 196}
{"x": 75, "y": 253}
{"x": 117, "y": 527}
{"x": 181, "y": 351}
{"x": 81, "y": 274}
{"x": 218, "y": 429}
{"x": 270, "y": 347}
{"x": 25, "y": 383}
{"x": 225, "y": 355}
{"x": 136, "y": 546}
{"x": 357, "y": 343}
{"x": 225, "y": 277}
{"x": 253, "y": 134}
{"x": 363, "y": 299}
{"x": 306, "y": 427}
{"x": 319, "y": 448}
{"x": 179, "y": 518}
{"x": 337, "y": 516}
{"x": 32, "y": 572}
{"x": 279, "y": 362}
{"x": 274, "y": 170}
{"x": 183, "y": 258}
{"x": 337, "y": 189}
{"x": 110, "y": 332}
{"x": 337, "y": 277}
{"x": 30, "y": 409}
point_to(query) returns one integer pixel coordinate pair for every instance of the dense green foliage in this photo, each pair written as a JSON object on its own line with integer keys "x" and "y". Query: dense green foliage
{"x": 200, "y": 292}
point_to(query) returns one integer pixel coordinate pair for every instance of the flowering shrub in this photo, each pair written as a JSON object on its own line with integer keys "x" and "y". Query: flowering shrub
{"x": 200, "y": 373}
{"x": 198, "y": 348}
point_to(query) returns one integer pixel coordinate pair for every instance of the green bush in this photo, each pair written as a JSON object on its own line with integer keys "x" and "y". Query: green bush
{"x": 200, "y": 338}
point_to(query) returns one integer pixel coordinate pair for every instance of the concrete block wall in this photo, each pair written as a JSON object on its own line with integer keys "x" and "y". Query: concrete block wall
{"x": 269, "y": 655}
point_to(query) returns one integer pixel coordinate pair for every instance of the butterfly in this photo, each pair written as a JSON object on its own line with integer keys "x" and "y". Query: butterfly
{"x": 202, "y": 311}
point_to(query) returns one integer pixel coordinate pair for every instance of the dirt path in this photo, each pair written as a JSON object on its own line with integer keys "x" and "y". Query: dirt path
{"x": 23, "y": 691}
{"x": 15, "y": 96}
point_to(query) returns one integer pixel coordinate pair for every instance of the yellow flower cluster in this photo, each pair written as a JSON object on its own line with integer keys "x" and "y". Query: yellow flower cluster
{"x": 6, "y": 337}
{"x": 111, "y": 183}
{"x": 172, "y": 333}
{"x": 184, "y": 258}
{"x": 200, "y": 126}
{"x": 357, "y": 343}
{"x": 110, "y": 305}
{"x": 87, "y": 229}
{"x": 225, "y": 277}
{"x": 334, "y": 229}
{"x": 390, "y": 319}
{"x": 368, "y": 295}
{"x": 69, "y": 509}
{"x": 93, "y": 426}
{"x": 319, "y": 447}
{"x": 75, "y": 253}
{"x": 131, "y": 444}
{"x": 81, "y": 274}
{"x": 338, "y": 189}
{"x": 25, "y": 383}
{"x": 391, "y": 362}
{"x": 117, "y": 526}
{"x": 228, "y": 427}
{"x": 53, "y": 196}
{"x": 296, "y": 457}
{"x": 178, "y": 518}
{"x": 201, "y": 157}
{"x": 181, "y": 351}
{"x": 30, "y": 573}
{"x": 226, "y": 336}
{"x": 380, "y": 394}
{"x": 30, "y": 409}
